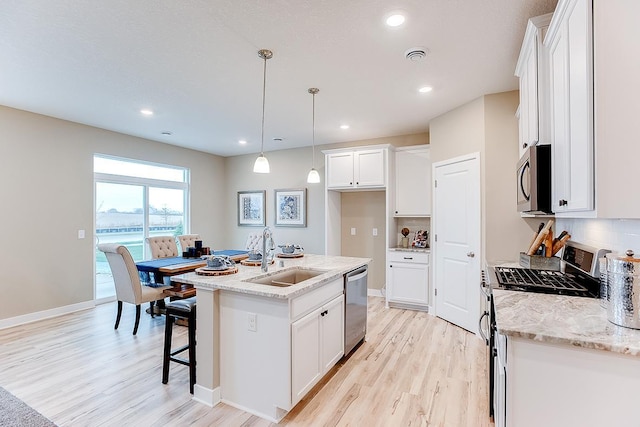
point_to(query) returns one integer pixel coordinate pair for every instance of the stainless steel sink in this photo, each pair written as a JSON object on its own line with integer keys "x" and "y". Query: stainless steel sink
{"x": 288, "y": 277}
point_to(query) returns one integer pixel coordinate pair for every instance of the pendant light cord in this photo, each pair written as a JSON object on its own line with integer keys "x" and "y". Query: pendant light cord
{"x": 313, "y": 134}
{"x": 264, "y": 90}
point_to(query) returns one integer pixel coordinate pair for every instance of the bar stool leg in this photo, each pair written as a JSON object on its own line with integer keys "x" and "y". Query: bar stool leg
{"x": 192, "y": 349}
{"x": 168, "y": 330}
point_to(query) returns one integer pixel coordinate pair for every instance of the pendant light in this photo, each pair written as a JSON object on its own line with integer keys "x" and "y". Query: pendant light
{"x": 262, "y": 164}
{"x": 313, "y": 177}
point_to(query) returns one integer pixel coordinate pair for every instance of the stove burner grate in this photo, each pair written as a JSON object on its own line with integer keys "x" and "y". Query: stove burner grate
{"x": 545, "y": 281}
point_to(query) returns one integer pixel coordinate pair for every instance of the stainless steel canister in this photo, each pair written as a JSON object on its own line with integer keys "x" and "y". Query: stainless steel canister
{"x": 623, "y": 277}
{"x": 604, "y": 293}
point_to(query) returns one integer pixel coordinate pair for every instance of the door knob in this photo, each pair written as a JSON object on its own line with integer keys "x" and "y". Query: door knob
{"x": 470, "y": 254}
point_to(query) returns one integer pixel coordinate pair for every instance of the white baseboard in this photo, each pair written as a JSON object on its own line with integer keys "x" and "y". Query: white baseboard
{"x": 46, "y": 314}
{"x": 374, "y": 293}
{"x": 280, "y": 412}
{"x": 206, "y": 395}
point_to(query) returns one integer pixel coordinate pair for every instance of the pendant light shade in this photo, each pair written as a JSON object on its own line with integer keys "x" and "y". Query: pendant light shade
{"x": 314, "y": 176}
{"x": 262, "y": 164}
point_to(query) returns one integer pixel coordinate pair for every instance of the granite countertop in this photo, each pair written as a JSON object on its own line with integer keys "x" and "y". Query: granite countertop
{"x": 559, "y": 319}
{"x": 336, "y": 266}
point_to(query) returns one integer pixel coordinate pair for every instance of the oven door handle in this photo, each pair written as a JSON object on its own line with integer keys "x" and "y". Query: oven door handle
{"x": 484, "y": 337}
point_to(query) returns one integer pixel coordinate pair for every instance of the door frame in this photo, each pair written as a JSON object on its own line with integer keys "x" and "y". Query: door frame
{"x": 475, "y": 156}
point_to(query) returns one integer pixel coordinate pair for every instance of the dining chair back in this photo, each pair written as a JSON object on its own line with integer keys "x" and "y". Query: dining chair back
{"x": 163, "y": 246}
{"x": 254, "y": 242}
{"x": 129, "y": 289}
{"x": 188, "y": 240}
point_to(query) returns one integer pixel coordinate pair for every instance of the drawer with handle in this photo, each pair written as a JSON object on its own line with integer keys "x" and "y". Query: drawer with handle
{"x": 405, "y": 256}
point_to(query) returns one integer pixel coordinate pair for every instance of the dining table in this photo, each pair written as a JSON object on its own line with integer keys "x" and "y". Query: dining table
{"x": 161, "y": 269}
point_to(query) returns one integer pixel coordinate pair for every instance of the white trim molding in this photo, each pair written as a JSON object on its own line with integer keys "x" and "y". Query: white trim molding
{"x": 46, "y": 314}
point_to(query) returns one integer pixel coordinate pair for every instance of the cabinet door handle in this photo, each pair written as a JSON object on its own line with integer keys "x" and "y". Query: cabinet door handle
{"x": 525, "y": 145}
{"x": 562, "y": 202}
{"x": 470, "y": 254}
{"x": 407, "y": 257}
{"x": 324, "y": 313}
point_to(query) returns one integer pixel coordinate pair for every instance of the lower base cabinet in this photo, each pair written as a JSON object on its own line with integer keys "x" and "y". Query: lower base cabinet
{"x": 408, "y": 279}
{"x": 317, "y": 343}
{"x": 273, "y": 351}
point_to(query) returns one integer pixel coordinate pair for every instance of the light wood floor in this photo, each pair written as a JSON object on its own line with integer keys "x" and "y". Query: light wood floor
{"x": 414, "y": 370}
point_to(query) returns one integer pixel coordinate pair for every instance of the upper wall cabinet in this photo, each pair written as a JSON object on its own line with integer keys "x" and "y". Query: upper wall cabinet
{"x": 356, "y": 169}
{"x": 413, "y": 182}
{"x": 532, "y": 71}
{"x": 569, "y": 42}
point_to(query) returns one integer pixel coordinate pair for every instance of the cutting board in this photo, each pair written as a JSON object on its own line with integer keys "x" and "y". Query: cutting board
{"x": 254, "y": 263}
{"x": 290, "y": 255}
{"x": 204, "y": 272}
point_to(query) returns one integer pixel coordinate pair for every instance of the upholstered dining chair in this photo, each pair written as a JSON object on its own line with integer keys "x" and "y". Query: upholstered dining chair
{"x": 188, "y": 240}
{"x": 127, "y": 281}
{"x": 162, "y": 246}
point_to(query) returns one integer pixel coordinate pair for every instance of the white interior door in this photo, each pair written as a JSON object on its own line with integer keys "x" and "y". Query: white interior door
{"x": 457, "y": 234}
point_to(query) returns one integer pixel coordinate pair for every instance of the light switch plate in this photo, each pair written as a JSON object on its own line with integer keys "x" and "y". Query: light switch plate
{"x": 353, "y": 231}
{"x": 80, "y": 234}
{"x": 375, "y": 231}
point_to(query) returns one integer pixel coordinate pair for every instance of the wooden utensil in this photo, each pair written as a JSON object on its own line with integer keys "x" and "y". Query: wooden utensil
{"x": 540, "y": 238}
{"x": 560, "y": 244}
{"x": 548, "y": 245}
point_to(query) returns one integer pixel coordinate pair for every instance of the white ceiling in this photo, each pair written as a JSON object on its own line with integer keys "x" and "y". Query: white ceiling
{"x": 195, "y": 64}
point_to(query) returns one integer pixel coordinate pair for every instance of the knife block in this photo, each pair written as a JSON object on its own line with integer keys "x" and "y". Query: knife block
{"x": 538, "y": 262}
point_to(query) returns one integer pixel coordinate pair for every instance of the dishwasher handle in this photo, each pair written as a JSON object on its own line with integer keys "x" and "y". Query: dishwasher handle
{"x": 354, "y": 277}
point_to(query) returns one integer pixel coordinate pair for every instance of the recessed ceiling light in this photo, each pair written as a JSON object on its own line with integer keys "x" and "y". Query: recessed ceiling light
{"x": 344, "y": 126}
{"x": 242, "y": 142}
{"x": 146, "y": 112}
{"x": 425, "y": 89}
{"x": 395, "y": 20}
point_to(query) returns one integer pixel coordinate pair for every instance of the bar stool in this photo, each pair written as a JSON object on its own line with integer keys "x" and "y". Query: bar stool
{"x": 180, "y": 309}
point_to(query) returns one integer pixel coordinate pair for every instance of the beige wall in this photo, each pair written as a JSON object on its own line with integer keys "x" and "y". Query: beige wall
{"x": 46, "y": 170}
{"x": 364, "y": 211}
{"x": 488, "y": 125}
{"x": 458, "y": 132}
{"x": 47, "y": 193}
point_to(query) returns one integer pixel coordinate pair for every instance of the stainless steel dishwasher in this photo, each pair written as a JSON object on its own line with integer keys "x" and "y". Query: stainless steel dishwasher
{"x": 355, "y": 309}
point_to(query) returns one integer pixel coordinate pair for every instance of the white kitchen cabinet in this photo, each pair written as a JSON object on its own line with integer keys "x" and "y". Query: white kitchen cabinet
{"x": 408, "y": 279}
{"x": 274, "y": 350}
{"x": 317, "y": 343}
{"x": 356, "y": 169}
{"x": 532, "y": 71}
{"x": 569, "y": 41}
{"x": 413, "y": 182}
{"x": 559, "y": 385}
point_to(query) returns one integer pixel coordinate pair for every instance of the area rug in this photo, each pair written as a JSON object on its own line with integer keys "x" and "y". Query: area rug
{"x": 15, "y": 413}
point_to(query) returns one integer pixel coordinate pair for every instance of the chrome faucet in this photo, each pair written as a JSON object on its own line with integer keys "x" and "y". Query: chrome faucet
{"x": 266, "y": 256}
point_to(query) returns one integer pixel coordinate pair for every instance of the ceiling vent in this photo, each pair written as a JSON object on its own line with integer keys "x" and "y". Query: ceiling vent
{"x": 416, "y": 53}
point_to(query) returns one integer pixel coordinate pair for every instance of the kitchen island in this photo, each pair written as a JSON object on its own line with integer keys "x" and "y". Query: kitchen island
{"x": 566, "y": 364}
{"x": 263, "y": 346}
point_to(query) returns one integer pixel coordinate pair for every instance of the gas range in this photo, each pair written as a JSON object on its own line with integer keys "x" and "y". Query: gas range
{"x": 580, "y": 275}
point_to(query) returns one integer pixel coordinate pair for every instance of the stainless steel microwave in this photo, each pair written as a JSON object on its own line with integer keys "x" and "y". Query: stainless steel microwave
{"x": 534, "y": 180}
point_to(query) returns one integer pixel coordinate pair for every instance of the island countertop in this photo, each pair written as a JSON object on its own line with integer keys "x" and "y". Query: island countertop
{"x": 335, "y": 267}
{"x": 559, "y": 319}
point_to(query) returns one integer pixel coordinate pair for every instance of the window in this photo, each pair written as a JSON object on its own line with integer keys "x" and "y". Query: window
{"x": 135, "y": 200}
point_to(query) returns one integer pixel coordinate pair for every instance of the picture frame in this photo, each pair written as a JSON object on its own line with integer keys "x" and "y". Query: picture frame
{"x": 251, "y": 208}
{"x": 291, "y": 207}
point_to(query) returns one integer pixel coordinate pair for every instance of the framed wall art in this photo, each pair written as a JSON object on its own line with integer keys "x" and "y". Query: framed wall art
{"x": 251, "y": 208}
{"x": 291, "y": 207}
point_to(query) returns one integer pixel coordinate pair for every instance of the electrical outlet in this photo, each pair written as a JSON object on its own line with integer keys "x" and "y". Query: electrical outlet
{"x": 375, "y": 231}
{"x": 353, "y": 231}
{"x": 80, "y": 234}
{"x": 253, "y": 322}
